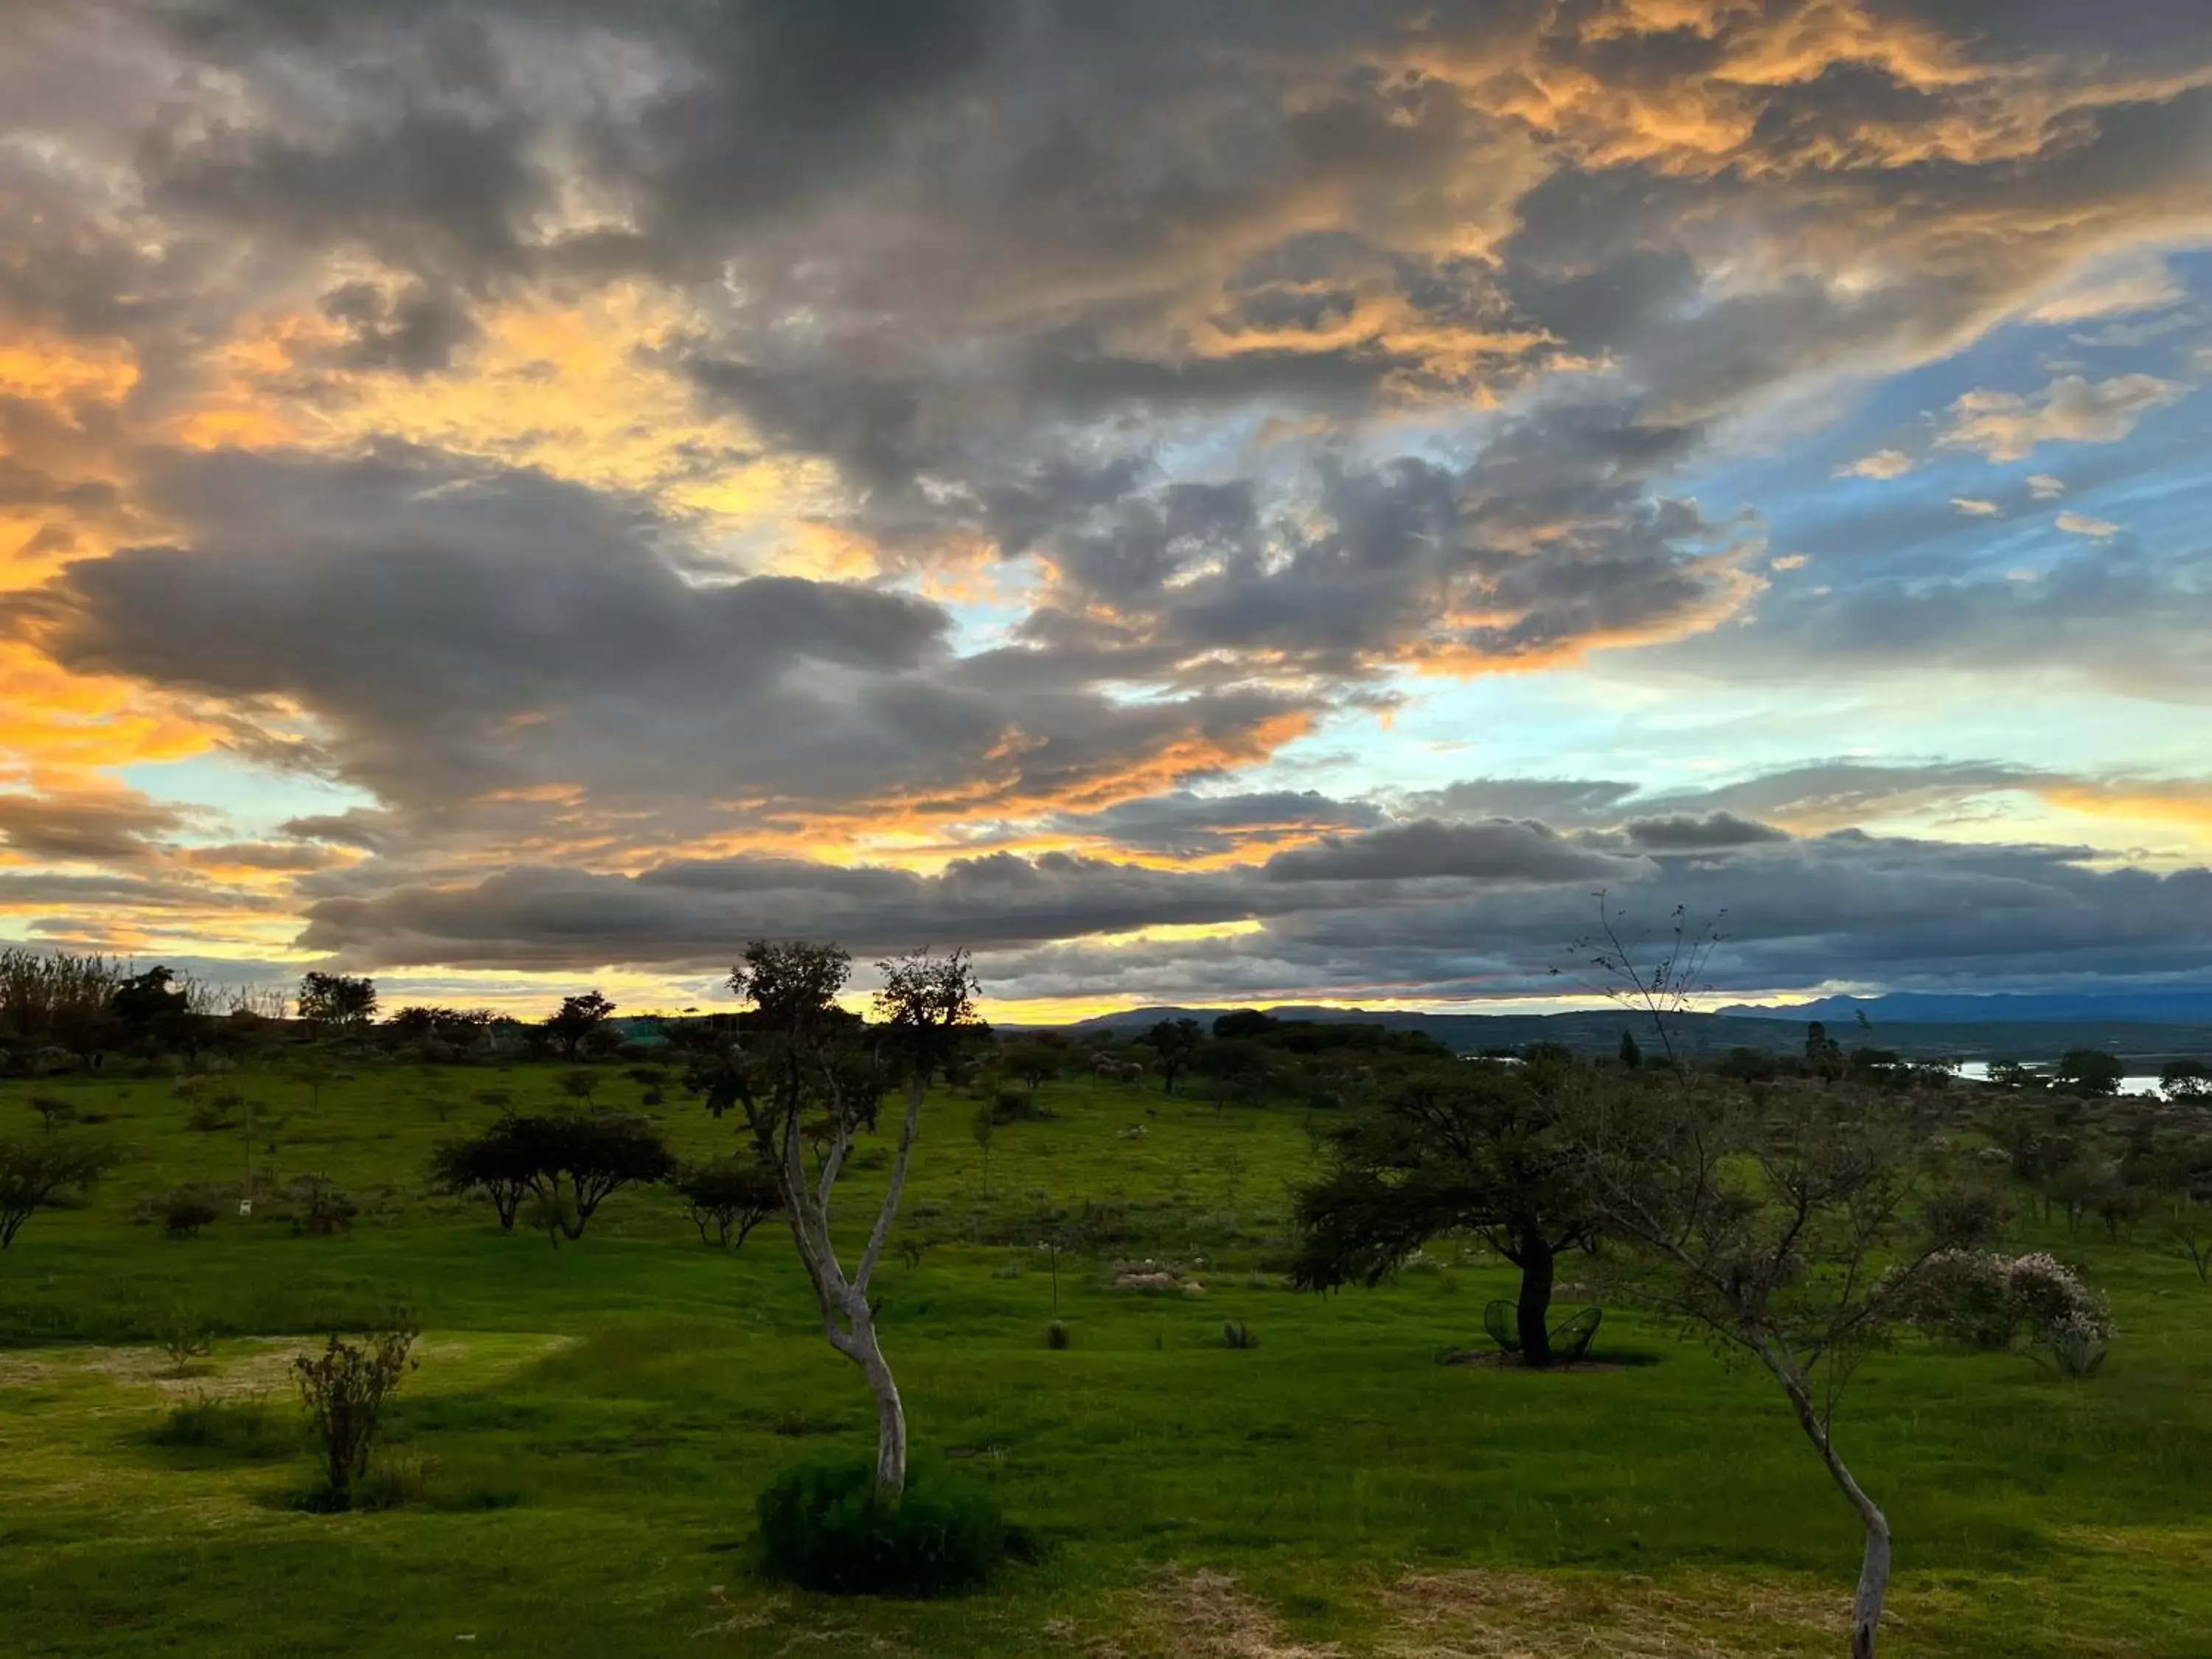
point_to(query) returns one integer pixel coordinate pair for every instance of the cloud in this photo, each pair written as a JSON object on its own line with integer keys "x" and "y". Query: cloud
{"x": 1799, "y": 913}
{"x": 2148, "y": 285}
{"x": 1974, "y": 508}
{"x": 622, "y": 440}
{"x": 2004, "y": 426}
{"x": 101, "y": 827}
{"x": 1882, "y": 463}
{"x": 2080, "y": 523}
{"x": 1498, "y": 850}
{"x": 2045, "y": 488}
{"x": 1183, "y": 826}
{"x": 1683, "y": 833}
{"x": 465, "y": 636}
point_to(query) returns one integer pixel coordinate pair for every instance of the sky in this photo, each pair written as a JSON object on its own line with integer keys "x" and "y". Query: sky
{"x": 1225, "y": 503}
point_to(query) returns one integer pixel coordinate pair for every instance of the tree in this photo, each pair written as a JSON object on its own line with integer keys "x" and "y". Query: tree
{"x": 571, "y": 1164}
{"x": 1823, "y": 1055}
{"x": 343, "y": 1391}
{"x": 576, "y": 1020}
{"x": 336, "y": 1001}
{"x": 1036, "y": 1063}
{"x": 1239, "y": 1069}
{"x": 1483, "y": 1149}
{"x": 739, "y": 1192}
{"x": 457, "y": 1028}
{"x": 52, "y": 999}
{"x": 807, "y": 1058}
{"x": 1630, "y": 1055}
{"x": 412, "y": 1023}
{"x": 50, "y": 1173}
{"x": 1801, "y": 1233}
{"x": 52, "y": 1112}
{"x": 1175, "y": 1042}
{"x": 144, "y": 999}
{"x": 498, "y": 1164}
{"x": 2186, "y": 1079}
{"x": 2089, "y": 1071}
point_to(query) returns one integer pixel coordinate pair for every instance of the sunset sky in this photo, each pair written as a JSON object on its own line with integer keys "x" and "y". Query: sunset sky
{"x": 1215, "y": 503}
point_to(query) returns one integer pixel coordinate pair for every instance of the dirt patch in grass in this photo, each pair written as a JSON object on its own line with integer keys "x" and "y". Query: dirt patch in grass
{"x": 1506, "y": 1615}
{"x": 240, "y": 1366}
{"x": 1497, "y": 1616}
{"x": 1205, "y": 1615}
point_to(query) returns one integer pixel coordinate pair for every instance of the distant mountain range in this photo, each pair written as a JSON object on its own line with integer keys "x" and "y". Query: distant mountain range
{"x": 1993, "y": 1029}
{"x": 2187, "y": 1004}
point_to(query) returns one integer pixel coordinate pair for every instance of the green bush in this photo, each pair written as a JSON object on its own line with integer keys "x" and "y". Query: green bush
{"x": 823, "y": 1525}
{"x": 184, "y": 1214}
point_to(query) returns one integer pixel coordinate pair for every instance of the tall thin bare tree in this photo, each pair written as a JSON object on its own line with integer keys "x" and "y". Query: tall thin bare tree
{"x": 804, "y": 1066}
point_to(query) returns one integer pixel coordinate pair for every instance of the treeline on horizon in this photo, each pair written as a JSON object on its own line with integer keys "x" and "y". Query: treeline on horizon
{"x": 61, "y": 1011}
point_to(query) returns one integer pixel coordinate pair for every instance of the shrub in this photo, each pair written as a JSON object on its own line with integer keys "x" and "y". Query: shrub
{"x": 317, "y": 1206}
{"x": 2077, "y": 1353}
{"x": 1989, "y": 1301}
{"x": 343, "y": 1391}
{"x": 825, "y": 1527}
{"x": 1237, "y": 1335}
{"x": 213, "y": 1114}
{"x": 1015, "y": 1105}
{"x": 184, "y": 1214}
{"x": 53, "y": 1113}
{"x": 1056, "y": 1336}
{"x": 182, "y": 1335}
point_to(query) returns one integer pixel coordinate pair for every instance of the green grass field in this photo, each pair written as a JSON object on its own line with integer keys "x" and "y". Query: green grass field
{"x": 595, "y": 1421}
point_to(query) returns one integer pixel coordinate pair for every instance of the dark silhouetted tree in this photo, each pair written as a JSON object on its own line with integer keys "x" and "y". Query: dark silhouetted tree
{"x": 575, "y": 1021}
{"x": 2089, "y": 1071}
{"x": 1481, "y": 1148}
{"x": 336, "y": 1001}
{"x": 738, "y": 1193}
{"x": 1175, "y": 1042}
{"x": 571, "y": 1164}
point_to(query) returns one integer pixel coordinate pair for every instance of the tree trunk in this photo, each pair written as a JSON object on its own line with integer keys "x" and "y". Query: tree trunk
{"x": 1533, "y": 1312}
{"x": 890, "y": 1411}
{"x": 1873, "y": 1566}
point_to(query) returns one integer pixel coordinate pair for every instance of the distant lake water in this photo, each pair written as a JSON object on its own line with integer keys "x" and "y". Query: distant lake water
{"x": 2137, "y": 1084}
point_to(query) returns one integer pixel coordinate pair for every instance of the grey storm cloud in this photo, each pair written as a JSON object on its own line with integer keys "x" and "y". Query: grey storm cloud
{"x": 1683, "y": 833}
{"x": 1793, "y": 913}
{"x": 1182, "y": 825}
{"x": 1426, "y": 848}
{"x": 466, "y": 631}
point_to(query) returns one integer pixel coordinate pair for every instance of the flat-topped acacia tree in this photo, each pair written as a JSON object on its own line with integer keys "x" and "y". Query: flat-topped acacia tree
{"x": 801, "y": 1059}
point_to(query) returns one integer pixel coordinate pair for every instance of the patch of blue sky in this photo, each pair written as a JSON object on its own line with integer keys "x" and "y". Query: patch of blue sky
{"x": 252, "y": 800}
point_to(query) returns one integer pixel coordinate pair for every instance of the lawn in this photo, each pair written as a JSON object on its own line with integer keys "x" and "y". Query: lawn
{"x": 590, "y": 1423}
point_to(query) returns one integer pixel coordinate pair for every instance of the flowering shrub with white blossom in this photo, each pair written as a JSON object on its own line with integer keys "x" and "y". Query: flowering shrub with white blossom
{"x": 1990, "y": 1301}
